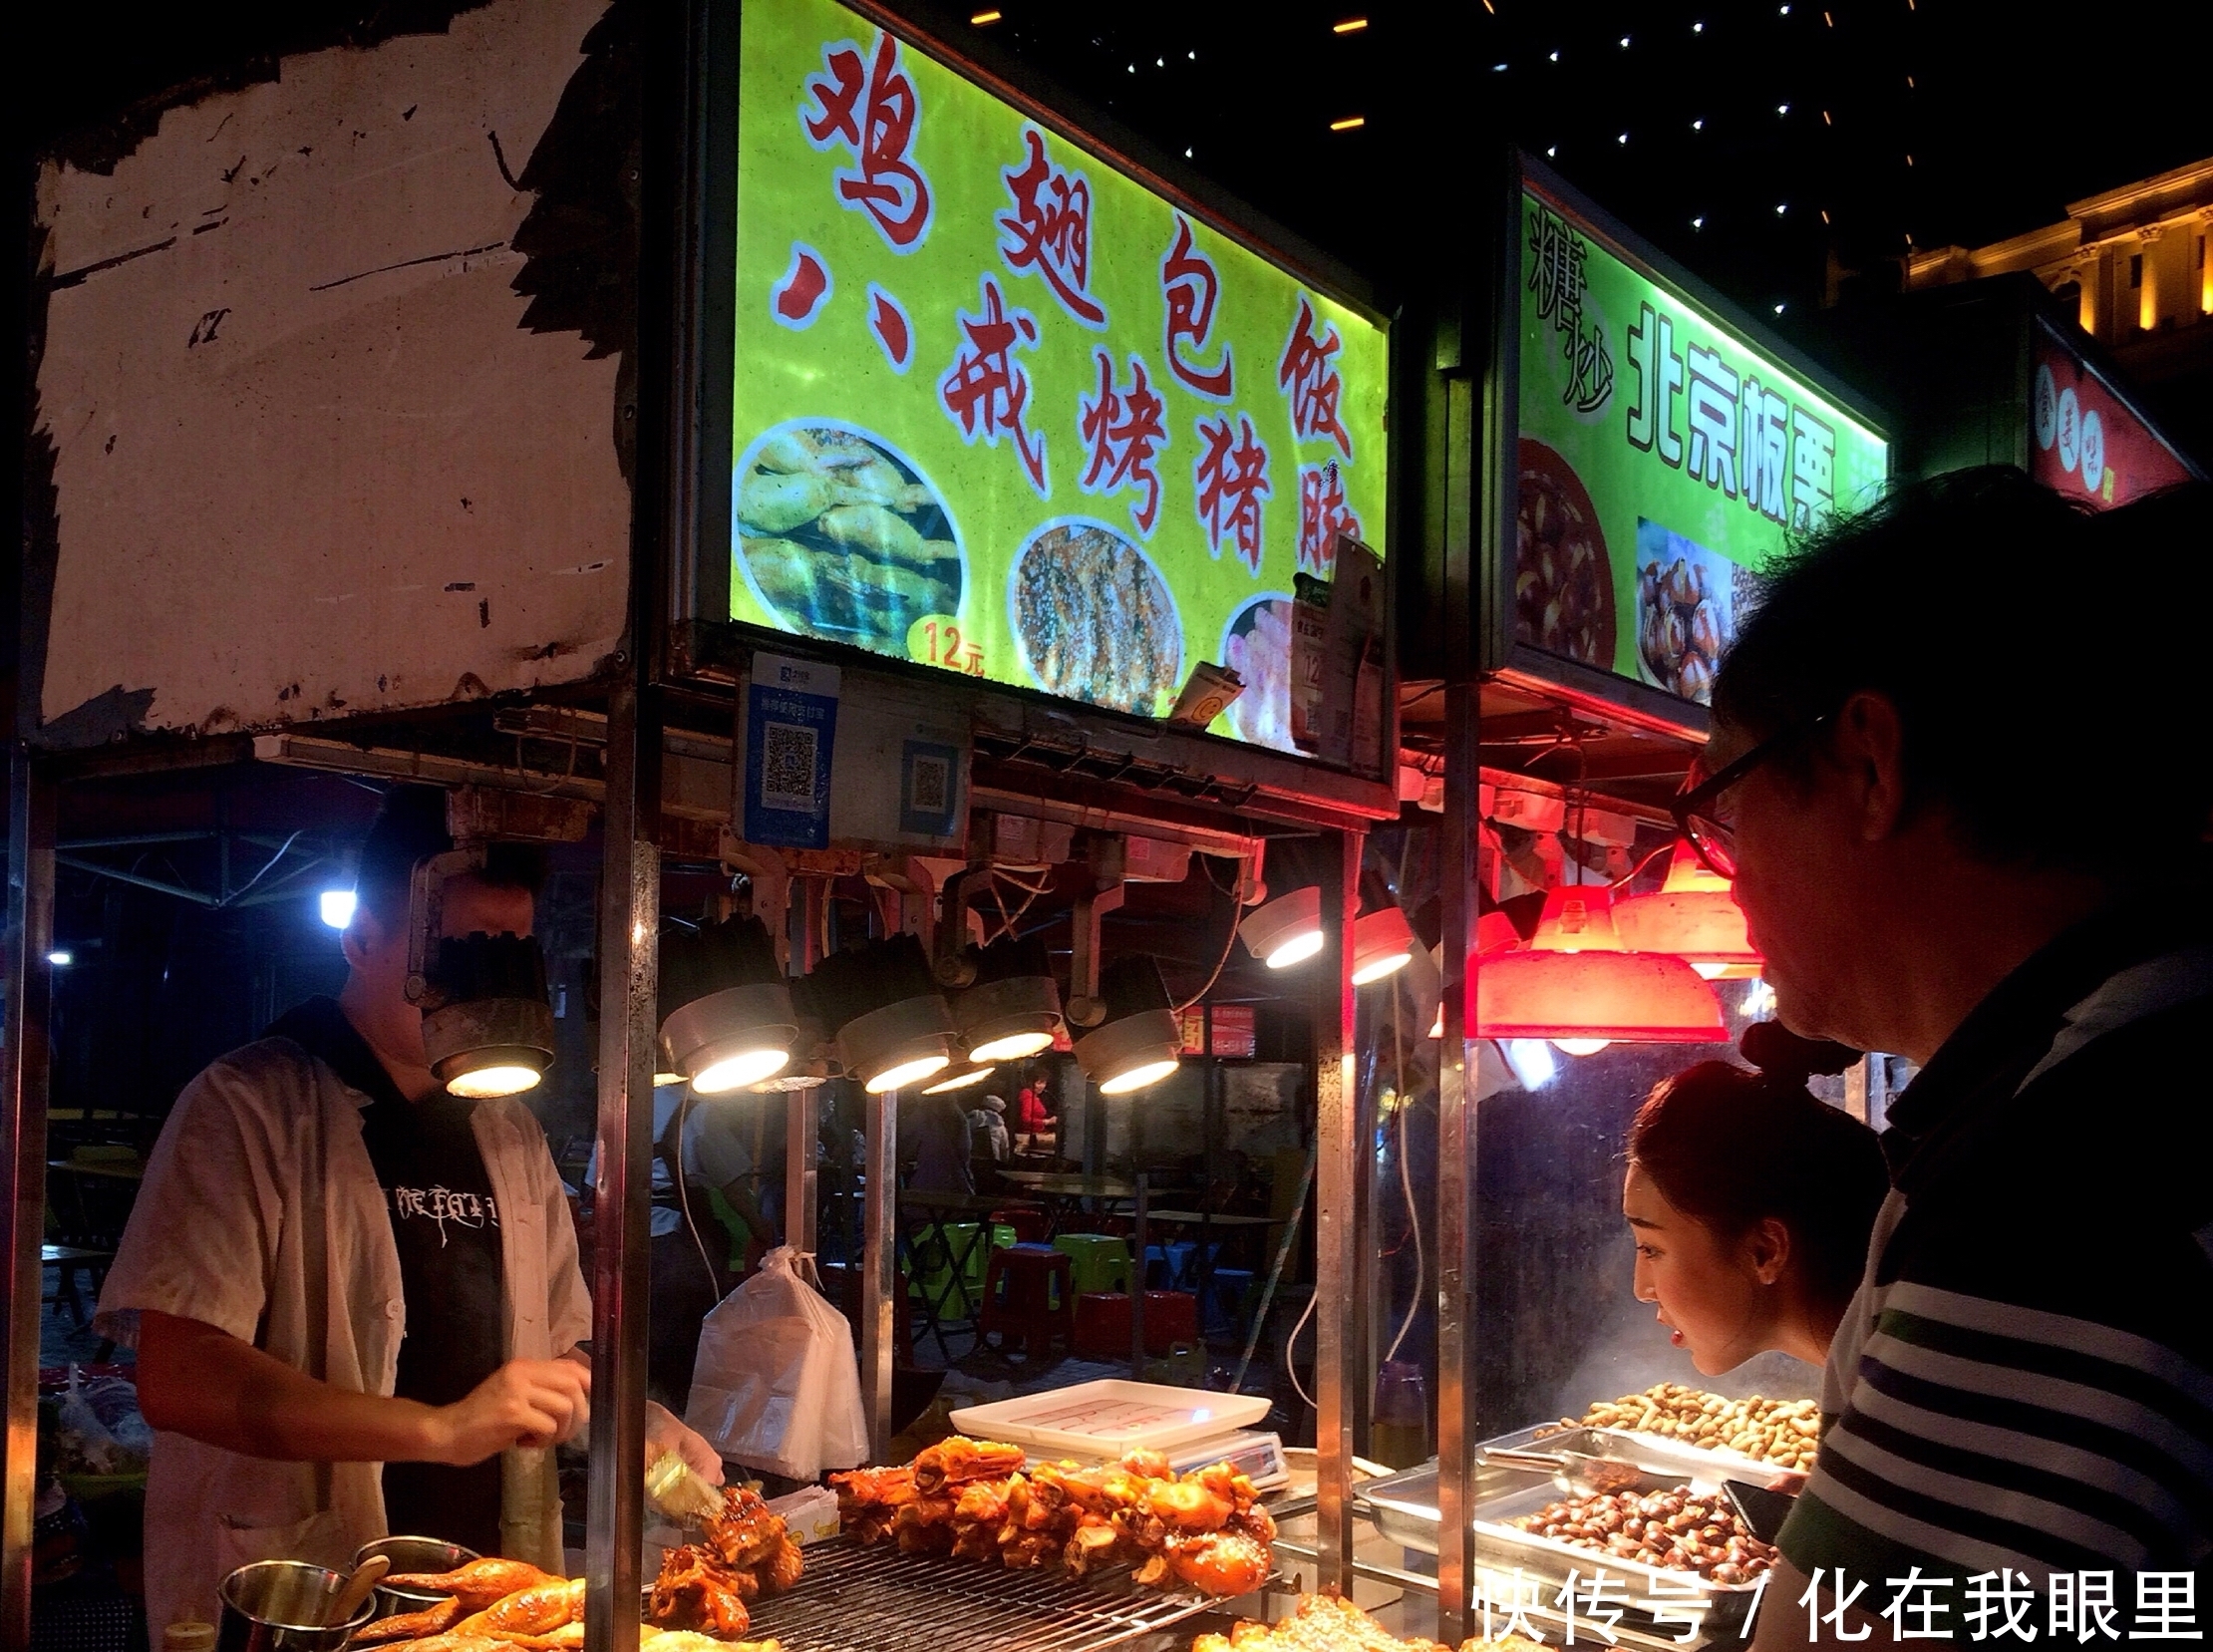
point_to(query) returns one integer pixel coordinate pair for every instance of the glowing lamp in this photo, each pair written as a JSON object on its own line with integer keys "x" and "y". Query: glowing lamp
{"x": 892, "y": 1026}
{"x": 1578, "y": 917}
{"x": 1012, "y": 1008}
{"x": 726, "y": 1019}
{"x": 960, "y": 1077}
{"x": 1287, "y": 930}
{"x": 1634, "y": 996}
{"x": 1141, "y": 1042}
{"x": 1383, "y": 942}
{"x": 1695, "y": 918}
{"x": 491, "y": 1031}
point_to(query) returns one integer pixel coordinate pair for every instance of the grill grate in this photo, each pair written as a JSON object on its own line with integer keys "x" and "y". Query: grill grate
{"x": 876, "y": 1599}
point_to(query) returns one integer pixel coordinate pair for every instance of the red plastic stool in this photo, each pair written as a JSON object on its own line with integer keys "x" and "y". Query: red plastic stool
{"x": 1102, "y": 1325}
{"x": 1170, "y": 1317}
{"x": 1029, "y": 1293}
{"x": 1029, "y": 1225}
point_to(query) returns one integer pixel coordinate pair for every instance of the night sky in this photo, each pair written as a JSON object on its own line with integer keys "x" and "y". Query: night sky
{"x": 1692, "y": 122}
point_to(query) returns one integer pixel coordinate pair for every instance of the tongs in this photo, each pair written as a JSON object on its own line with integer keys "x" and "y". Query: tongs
{"x": 1585, "y": 1474}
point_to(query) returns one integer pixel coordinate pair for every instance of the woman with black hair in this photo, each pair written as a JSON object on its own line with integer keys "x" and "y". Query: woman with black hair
{"x": 1751, "y": 1201}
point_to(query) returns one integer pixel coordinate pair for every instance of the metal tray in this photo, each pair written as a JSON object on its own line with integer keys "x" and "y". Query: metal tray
{"x": 1403, "y": 1509}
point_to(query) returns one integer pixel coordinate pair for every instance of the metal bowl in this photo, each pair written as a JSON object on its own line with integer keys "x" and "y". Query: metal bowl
{"x": 279, "y": 1606}
{"x": 413, "y": 1554}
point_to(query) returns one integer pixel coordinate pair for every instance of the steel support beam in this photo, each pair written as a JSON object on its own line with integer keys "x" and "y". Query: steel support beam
{"x": 1344, "y": 1172}
{"x": 629, "y": 923}
{"x": 28, "y": 988}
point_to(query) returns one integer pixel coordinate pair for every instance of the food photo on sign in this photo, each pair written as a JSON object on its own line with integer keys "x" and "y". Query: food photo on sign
{"x": 1663, "y": 461}
{"x": 1001, "y": 410}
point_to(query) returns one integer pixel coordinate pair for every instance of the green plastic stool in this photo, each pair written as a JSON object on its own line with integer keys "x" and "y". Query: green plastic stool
{"x": 1102, "y": 1262}
{"x": 932, "y": 1282}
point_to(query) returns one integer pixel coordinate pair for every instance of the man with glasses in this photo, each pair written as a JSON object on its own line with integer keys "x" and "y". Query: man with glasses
{"x": 1960, "y": 778}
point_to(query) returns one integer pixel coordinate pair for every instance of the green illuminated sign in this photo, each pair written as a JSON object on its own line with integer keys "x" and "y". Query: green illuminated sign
{"x": 1002, "y": 409}
{"x": 1663, "y": 463}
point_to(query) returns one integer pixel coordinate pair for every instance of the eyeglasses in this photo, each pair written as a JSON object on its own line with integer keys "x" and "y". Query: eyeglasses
{"x": 1697, "y": 808}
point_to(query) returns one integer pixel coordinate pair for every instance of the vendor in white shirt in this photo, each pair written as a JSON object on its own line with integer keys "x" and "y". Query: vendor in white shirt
{"x": 355, "y": 1298}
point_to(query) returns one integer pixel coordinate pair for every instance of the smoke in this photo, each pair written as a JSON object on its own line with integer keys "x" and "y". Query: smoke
{"x": 1631, "y": 1352}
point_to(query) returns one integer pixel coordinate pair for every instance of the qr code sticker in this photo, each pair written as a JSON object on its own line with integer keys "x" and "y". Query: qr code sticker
{"x": 787, "y": 765}
{"x": 933, "y": 782}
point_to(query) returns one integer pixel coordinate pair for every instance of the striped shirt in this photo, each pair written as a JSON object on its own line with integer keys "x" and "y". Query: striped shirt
{"x": 2025, "y": 1379}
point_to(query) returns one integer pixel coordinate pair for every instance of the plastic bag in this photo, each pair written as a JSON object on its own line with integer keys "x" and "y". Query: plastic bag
{"x": 775, "y": 1385}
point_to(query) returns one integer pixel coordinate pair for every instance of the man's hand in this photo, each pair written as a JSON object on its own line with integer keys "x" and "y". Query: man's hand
{"x": 663, "y": 1433}
{"x": 525, "y": 1403}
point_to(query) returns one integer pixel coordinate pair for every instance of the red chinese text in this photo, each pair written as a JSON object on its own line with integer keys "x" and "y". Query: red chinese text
{"x": 1123, "y": 430}
{"x": 986, "y": 390}
{"x": 1230, "y": 476}
{"x": 873, "y": 111}
{"x": 1049, "y": 231}
{"x": 1308, "y": 375}
{"x": 1322, "y": 517}
{"x": 1190, "y": 287}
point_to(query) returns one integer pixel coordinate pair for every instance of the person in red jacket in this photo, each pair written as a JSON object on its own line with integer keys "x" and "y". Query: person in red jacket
{"x": 1034, "y": 1118}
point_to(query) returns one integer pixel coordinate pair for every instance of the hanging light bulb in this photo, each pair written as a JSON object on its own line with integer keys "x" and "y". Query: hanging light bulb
{"x": 1692, "y": 916}
{"x": 1574, "y": 980}
{"x": 1580, "y": 1046}
{"x": 1382, "y": 943}
{"x": 1141, "y": 1042}
{"x": 892, "y": 1026}
{"x": 726, "y": 1019}
{"x": 1287, "y": 930}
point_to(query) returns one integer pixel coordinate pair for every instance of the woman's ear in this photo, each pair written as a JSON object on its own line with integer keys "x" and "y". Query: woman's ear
{"x": 1767, "y": 1249}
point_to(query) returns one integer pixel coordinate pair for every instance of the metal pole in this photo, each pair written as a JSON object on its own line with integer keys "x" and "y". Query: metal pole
{"x": 629, "y": 921}
{"x": 801, "y": 1131}
{"x": 1340, "y": 1273}
{"x": 1479, "y": 500}
{"x": 879, "y": 1269}
{"x": 28, "y": 987}
{"x": 1137, "y": 1283}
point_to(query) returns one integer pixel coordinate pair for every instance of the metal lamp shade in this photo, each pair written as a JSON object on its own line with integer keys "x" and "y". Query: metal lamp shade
{"x": 1626, "y": 996}
{"x": 1703, "y": 927}
{"x": 1007, "y": 1020}
{"x": 491, "y": 1030}
{"x": 898, "y": 1044}
{"x": 1287, "y": 930}
{"x": 730, "y": 1037}
{"x": 1382, "y": 943}
{"x": 1132, "y": 1052}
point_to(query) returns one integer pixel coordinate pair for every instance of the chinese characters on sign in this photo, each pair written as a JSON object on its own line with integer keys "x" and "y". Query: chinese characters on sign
{"x": 1122, "y": 429}
{"x": 874, "y": 113}
{"x": 1049, "y": 231}
{"x": 1190, "y": 286}
{"x": 1231, "y": 476}
{"x": 985, "y": 389}
{"x": 1556, "y": 276}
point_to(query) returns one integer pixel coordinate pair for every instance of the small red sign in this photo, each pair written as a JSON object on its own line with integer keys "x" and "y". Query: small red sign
{"x": 2084, "y": 442}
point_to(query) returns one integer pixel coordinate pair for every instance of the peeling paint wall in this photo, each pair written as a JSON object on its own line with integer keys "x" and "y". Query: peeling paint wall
{"x": 308, "y": 457}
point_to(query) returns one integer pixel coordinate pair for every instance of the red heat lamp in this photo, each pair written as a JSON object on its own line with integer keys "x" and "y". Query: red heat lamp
{"x": 1575, "y": 982}
{"x": 1695, "y": 918}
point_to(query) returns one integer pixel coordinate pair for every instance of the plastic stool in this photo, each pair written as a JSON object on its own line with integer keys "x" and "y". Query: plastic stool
{"x": 1029, "y": 1293}
{"x": 1028, "y": 1226}
{"x": 1168, "y": 1266}
{"x": 1102, "y": 1262}
{"x": 1227, "y": 1289}
{"x": 1102, "y": 1325}
{"x": 1171, "y": 1317}
{"x": 932, "y": 1263}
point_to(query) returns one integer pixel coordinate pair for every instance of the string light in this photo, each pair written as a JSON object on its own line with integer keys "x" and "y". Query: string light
{"x": 1625, "y": 43}
{"x": 1498, "y": 68}
{"x": 1698, "y": 28}
{"x": 1551, "y": 151}
{"x": 1778, "y": 309}
{"x": 1698, "y": 124}
{"x": 1555, "y": 57}
{"x": 1623, "y": 138}
{"x": 1783, "y": 109}
{"x": 1350, "y": 26}
{"x": 981, "y": 19}
{"x": 1350, "y": 123}
{"x": 1699, "y": 222}
{"x": 1781, "y": 206}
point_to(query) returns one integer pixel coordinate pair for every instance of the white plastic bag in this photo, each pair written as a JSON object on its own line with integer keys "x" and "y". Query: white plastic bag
{"x": 775, "y": 1384}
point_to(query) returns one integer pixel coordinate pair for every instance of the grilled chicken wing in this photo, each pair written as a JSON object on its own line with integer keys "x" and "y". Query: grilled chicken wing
{"x": 476, "y": 1586}
{"x": 537, "y": 1610}
{"x": 431, "y": 1620}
